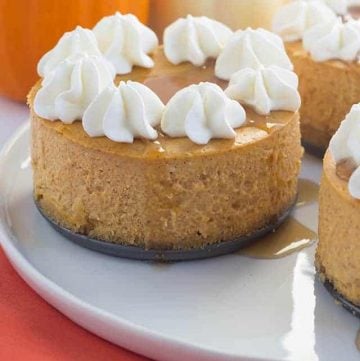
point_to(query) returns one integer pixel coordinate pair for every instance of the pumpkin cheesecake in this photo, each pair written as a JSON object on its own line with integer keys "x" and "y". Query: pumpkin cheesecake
{"x": 338, "y": 252}
{"x": 324, "y": 48}
{"x": 161, "y": 157}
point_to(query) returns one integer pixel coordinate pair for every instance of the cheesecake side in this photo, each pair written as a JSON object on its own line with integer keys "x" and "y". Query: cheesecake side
{"x": 167, "y": 194}
{"x": 328, "y": 90}
{"x": 338, "y": 252}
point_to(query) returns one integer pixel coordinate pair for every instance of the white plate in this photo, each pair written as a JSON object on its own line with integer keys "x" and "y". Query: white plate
{"x": 227, "y": 308}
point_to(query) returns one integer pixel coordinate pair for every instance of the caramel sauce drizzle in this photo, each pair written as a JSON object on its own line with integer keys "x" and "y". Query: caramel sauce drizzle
{"x": 291, "y": 236}
{"x": 308, "y": 192}
{"x": 345, "y": 168}
{"x": 166, "y": 84}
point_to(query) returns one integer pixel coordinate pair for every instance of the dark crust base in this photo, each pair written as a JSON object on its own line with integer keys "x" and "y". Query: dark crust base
{"x": 312, "y": 149}
{"x": 349, "y": 306}
{"x": 138, "y": 253}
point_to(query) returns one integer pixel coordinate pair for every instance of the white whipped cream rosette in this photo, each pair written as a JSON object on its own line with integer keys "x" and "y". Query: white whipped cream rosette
{"x": 202, "y": 112}
{"x": 67, "y": 91}
{"x": 353, "y": 2}
{"x": 345, "y": 144}
{"x": 125, "y": 42}
{"x": 334, "y": 40}
{"x": 195, "y": 39}
{"x": 123, "y": 113}
{"x": 265, "y": 89}
{"x": 294, "y": 18}
{"x": 251, "y": 49}
{"x": 71, "y": 43}
{"x": 339, "y": 6}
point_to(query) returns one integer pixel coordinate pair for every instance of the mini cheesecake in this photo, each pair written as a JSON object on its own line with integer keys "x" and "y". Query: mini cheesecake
{"x": 168, "y": 193}
{"x": 328, "y": 89}
{"x": 338, "y": 252}
{"x": 324, "y": 48}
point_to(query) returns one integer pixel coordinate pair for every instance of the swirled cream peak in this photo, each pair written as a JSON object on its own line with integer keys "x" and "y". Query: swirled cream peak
{"x": 265, "y": 89}
{"x": 123, "y": 113}
{"x": 345, "y": 145}
{"x": 202, "y": 112}
{"x": 194, "y": 39}
{"x": 71, "y": 43}
{"x": 67, "y": 91}
{"x": 125, "y": 42}
{"x": 251, "y": 49}
{"x": 338, "y": 6}
{"x": 334, "y": 40}
{"x": 294, "y": 18}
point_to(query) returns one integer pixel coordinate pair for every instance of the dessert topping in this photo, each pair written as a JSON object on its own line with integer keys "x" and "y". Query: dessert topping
{"x": 195, "y": 39}
{"x": 202, "y": 112}
{"x": 125, "y": 42}
{"x": 294, "y": 18}
{"x": 123, "y": 113}
{"x": 338, "y": 6}
{"x": 265, "y": 89}
{"x": 71, "y": 43}
{"x": 333, "y": 40}
{"x": 345, "y": 168}
{"x": 68, "y": 90}
{"x": 251, "y": 49}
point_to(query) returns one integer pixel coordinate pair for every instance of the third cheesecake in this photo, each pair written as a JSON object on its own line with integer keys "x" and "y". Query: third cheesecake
{"x": 338, "y": 252}
{"x": 324, "y": 44}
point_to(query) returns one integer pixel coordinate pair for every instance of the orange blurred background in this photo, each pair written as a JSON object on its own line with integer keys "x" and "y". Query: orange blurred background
{"x": 29, "y": 28}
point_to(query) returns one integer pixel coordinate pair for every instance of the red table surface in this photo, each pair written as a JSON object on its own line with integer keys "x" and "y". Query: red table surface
{"x": 32, "y": 330}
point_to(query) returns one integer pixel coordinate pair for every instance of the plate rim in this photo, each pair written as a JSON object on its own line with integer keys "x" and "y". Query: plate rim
{"x": 143, "y": 341}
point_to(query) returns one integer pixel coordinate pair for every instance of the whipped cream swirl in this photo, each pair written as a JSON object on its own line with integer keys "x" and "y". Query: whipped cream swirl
{"x": 265, "y": 89}
{"x": 67, "y": 91}
{"x": 202, "y": 112}
{"x": 123, "y": 113}
{"x": 195, "y": 39}
{"x": 294, "y": 18}
{"x": 338, "y": 6}
{"x": 345, "y": 145}
{"x": 125, "y": 42}
{"x": 71, "y": 43}
{"x": 251, "y": 49}
{"x": 334, "y": 40}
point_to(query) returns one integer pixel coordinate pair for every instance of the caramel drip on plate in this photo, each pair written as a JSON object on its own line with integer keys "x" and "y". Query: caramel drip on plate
{"x": 345, "y": 168}
{"x": 291, "y": 236}
{"x": 308, "y": 192}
